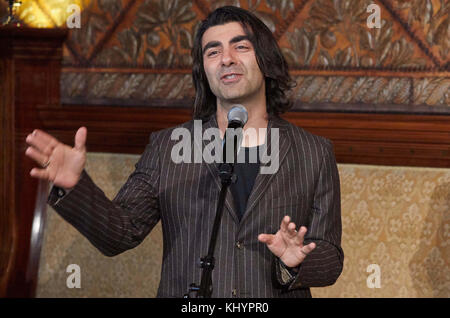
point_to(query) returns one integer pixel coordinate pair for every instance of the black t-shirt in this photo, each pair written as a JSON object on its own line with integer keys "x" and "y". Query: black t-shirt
{"x": 246, "y": 173}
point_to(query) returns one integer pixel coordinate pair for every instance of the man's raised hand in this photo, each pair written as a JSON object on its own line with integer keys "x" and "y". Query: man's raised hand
{"x": 61, "y": 164}
{"x": 287, "y": 243}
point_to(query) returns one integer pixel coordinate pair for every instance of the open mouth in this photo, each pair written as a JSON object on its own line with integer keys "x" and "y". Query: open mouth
{"x": 230, "y": 78}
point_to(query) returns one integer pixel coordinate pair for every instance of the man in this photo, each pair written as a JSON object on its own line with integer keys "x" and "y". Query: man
{"x": 236, "y": 61}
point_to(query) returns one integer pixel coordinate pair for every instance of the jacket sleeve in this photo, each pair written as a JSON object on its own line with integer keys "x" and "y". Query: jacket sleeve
{"x": 324, "y": 264}
{"x": 114, "y": 226}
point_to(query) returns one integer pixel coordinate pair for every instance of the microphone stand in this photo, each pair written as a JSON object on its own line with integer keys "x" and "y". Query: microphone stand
{"x": 226, "y": 175}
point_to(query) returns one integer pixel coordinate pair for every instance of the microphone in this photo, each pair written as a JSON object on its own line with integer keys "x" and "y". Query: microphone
{"x": 237, "y": 116}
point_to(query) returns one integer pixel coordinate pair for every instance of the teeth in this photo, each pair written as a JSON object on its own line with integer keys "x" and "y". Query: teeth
{"x": 230, "y": 76}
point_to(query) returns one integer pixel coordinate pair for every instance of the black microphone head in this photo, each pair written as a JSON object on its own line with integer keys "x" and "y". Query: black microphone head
{"x": 238, "y": 114}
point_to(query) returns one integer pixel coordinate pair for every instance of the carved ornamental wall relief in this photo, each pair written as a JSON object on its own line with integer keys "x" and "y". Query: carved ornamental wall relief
{"x": 137, "y": 52}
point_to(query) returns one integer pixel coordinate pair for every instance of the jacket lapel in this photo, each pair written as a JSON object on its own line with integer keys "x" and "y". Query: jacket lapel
{"x": 213, "y": 169}
{"x": 263, "y": 181}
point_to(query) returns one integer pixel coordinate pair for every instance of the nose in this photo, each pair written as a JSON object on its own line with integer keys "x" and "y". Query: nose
{"x": 228, "y": 57}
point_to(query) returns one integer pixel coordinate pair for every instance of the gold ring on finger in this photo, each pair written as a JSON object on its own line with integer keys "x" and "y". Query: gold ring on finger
{"x": 45, "y": 165}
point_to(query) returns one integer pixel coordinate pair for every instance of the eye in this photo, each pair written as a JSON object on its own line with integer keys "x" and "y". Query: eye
{"x": 243, "y": 47}
{"x": 212, "y": 53}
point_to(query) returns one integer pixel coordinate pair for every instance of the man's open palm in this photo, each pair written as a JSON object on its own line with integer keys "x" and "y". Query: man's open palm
{"x": 287, "y": 243}
{"x": 61, "y": 164}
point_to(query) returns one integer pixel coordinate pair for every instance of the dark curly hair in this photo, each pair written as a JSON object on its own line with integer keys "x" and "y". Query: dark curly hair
{"x": 268, "y": 55}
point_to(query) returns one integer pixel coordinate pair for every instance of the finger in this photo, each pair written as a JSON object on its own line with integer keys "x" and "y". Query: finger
{"x": 40, "y": 174}
{"x": 301, "y": 234}
{"x": 265, "y": 238}
{"x": 291, "y": 229}
{"x": 285, "y": 223}
{"x": 308, "y": 248}
{"x": 42, "y": 141}
{"x": 80, "y": 139}
{"x": 36, "y": 155}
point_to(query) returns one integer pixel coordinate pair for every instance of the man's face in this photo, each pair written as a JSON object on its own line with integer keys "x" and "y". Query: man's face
{"x": 230, "y": 65}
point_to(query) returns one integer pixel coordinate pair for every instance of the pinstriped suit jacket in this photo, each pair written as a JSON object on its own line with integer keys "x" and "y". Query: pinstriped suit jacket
{"x": 184, "y": 197}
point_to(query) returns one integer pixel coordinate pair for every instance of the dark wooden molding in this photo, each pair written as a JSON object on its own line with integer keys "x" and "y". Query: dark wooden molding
{"x": 7, "y": 223}
{"x": 383, "y": 139}
{"x": 30, "y": 67}
{"x": 378, "y": 139}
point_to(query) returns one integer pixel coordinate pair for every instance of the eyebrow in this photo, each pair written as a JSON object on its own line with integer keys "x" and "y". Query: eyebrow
{"x": 236, "y": 39}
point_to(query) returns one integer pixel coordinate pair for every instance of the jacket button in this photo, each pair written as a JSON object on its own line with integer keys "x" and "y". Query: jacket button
{"x": 239, "y": 245}
{"x": 61, "y": 193}
{"x": 234, "y": 292}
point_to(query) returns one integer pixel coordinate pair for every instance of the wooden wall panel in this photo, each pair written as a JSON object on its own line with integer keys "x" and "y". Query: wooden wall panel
{"x": 385, "y": 139}
{"x": 30, "y": 64}
{"x": 7, "y": 224}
